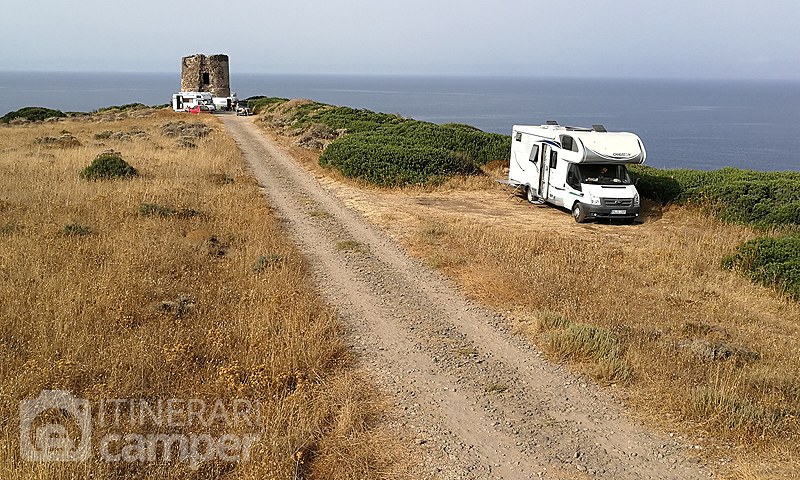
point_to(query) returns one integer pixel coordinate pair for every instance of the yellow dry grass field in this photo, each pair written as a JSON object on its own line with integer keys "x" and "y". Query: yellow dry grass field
{"x": 697, "y": 351}
{"x": 175, "y": 305}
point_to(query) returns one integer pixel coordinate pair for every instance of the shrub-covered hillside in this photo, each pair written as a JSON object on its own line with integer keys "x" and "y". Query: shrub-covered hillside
{"x": 762, "y": 199}
{"x": 389, "y": 150}
{"x": 32, "y": 114}
{"x": 413, "y": 152}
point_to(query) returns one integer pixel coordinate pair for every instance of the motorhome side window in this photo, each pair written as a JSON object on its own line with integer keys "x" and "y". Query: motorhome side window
{"x": 573, "y": 177}
{"x": 518, "y": 137}
{"x": 534, "y": 154}
{"x": 568, "y": 143}
{"x": 553, "y": 159}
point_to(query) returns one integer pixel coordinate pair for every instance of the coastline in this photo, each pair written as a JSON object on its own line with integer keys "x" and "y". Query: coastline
{"x": 705, "y": 125}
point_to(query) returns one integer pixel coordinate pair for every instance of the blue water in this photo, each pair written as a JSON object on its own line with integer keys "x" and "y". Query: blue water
{"x": 684, "y": 124}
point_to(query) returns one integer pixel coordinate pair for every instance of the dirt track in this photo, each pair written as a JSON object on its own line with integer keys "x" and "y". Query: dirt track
{"x": 446, "y": 362}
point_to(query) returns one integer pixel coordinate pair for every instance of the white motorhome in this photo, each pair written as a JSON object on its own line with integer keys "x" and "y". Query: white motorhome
{"x": 225, "y": 103}
{"x": 184, "y": 101}
{"x": 581, "y": 169}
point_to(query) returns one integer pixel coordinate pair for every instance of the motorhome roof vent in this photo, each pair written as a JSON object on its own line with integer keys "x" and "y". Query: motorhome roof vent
{"x": 552, "y": 122}
{"x": 599, "y": 128}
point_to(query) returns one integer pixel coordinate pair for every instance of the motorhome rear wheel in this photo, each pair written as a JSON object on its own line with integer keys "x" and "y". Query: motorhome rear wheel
{"x": 531, "y": 196}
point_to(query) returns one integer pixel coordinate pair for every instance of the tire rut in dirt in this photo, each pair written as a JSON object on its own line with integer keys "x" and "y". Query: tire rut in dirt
{"x": 483, "y": 403}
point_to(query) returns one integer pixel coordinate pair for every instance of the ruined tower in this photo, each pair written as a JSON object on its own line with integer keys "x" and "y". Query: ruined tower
{"x": 200, "y": 73}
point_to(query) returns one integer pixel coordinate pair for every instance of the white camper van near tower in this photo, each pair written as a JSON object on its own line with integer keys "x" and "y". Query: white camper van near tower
{"x": 185, "y": 101}
{"x": 582, "y": 169}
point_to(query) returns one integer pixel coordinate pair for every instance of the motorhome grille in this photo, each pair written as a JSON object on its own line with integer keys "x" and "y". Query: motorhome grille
{"x": 617, "y": 202}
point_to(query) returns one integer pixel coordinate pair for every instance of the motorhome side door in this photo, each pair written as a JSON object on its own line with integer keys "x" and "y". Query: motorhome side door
{"x": 544, "y": 170}
{"x": 533, "y": 161}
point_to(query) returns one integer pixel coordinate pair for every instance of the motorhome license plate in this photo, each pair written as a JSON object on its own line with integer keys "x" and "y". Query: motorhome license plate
{"x": 618, "y": 212}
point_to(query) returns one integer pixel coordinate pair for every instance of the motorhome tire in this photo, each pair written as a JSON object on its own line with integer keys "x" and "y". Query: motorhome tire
{"x": 531, "y": 196}
{"x": 578, "y": 212}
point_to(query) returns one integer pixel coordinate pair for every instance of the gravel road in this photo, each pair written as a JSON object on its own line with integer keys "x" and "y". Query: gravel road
{"x": 471, "y": 399}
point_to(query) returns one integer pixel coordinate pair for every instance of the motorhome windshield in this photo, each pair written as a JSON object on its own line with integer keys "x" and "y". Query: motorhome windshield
{"x": 604, "y": 174}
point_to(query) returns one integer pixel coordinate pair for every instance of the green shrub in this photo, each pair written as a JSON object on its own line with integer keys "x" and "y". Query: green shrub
{"x": 75, "y": 230}
{"x": 773, "y": 262}
{"x": 220, "y": 178}
{"x": 122, "y": 108}
{"x": 108, "y": 166}
{"x": 103, "y": 135}
{"x": 388, "y": 150}
{"x": 255, "y": 104}
{"x": 581, "y": 341}
{"x": 32, "y": 113}
{"x": 264, "y": 262}
{"x": 156, "y": 210}
{"x": 462, "y": 126}
{"x": 11, "y": 228}
{"x": 761, "y": 199}
{"x": 351, "y": 119}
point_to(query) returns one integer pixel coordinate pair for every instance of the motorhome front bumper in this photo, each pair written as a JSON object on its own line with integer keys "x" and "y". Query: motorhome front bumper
{"x": 599, "y": 211}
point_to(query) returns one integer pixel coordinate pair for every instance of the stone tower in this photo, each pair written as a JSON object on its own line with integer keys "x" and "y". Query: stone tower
{"x": 200, "y": 73}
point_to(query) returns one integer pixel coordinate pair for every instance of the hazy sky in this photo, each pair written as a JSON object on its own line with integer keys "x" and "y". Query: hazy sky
{"x": 588, "y": 38}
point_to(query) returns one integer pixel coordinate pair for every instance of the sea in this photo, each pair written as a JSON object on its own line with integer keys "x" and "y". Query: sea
{"x": 697, "y": 124}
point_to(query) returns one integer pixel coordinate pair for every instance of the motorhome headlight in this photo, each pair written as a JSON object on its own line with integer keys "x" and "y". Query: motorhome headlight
{"x": 594, "y": 199}
{"x": 636, "y": 200}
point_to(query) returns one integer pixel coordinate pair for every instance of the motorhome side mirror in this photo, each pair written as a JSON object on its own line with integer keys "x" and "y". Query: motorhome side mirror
{"x": 636, "y": 181}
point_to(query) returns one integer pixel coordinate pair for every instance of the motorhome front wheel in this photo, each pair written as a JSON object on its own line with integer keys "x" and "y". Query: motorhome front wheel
{"x": 579, "y": 212}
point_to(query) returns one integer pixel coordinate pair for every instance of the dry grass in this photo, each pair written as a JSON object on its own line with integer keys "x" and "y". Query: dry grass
{"x": 108, "y": 303}
{"x": 699, "y": 350}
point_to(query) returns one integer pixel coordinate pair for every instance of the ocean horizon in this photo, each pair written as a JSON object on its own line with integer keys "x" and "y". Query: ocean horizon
{"x": 698, "y": 124}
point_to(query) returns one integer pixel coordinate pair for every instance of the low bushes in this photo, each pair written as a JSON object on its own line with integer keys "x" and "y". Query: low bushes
{"x": 185, "y": 130}
{"x": 164, "y": 211}
{"x": 388, "y": 150}
{"x": 32, "y": 114}
{"x": 75, "y": 229}
{"x": 351, "y": 119}
{"x": 586, "y": 343}
{"x": 255, "y": 104}
{"x": 394, "y": 165}
{"x": 66, "y": 140}
{"x": 761, "y": 199}
{"x": 732, "y": 412}
{"x": 122, "y": 108}
{"x": 773, "y": 262}
{"x": 107, "y": 167}
{"x": 381, "y": 148}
